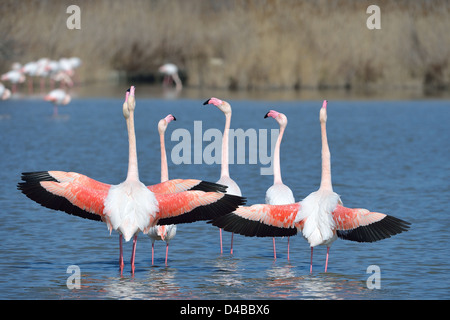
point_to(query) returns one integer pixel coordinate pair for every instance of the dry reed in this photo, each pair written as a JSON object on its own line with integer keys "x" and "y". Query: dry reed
{"x": 239, "y": 44}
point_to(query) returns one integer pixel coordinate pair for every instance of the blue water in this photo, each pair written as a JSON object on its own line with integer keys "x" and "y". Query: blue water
{"x": 387, "y": 156}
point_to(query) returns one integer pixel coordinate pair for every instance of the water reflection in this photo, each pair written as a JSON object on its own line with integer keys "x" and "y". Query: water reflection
{"x": 156, "y": 283}
{"x": 161, "y": 283}
{"x": 59, "y": 117}
{"x": 170, "y": 93}
{"x": 281, "y": 281}
{"x": 227, "y": 272}
{"x": 290, "y": 282}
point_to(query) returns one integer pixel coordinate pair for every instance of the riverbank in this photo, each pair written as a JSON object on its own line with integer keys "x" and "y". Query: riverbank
{"x": 239, "y": 45}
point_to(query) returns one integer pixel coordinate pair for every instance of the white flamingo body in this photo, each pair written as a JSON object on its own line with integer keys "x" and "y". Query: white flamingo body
{"x": 59, "y": 98}
{"x": 279, "y": 193}
{"x": 130, "y": 208}
{"x": 233, "y": 187}
{"x": 170, "y": 72}
{"x": 14, "y": 76}
{"x": 65, "y": 65}
{"x": 163, "y": 233}
{"x": 31, "y": 68}
{"x": 316, "y": 212}
{"x": 169, "y": 69}
{"x": 5, "y": 93}
{"x": 75, "y": 62}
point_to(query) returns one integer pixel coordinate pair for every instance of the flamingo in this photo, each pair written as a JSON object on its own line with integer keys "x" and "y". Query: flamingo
{"x": 14, "y": 76}
{"x": 44, "y": 66}
{"x": 164, "y": 233}
{"x": 5, "y": 93}
{"x": 320, "y": 217}
{"x": 225, "y": 179}
{"x": 16, "y": 66}
{"x": 76, "y": 63}
{"x": 59, "y": 98}
{"x": 63, "y": 72}
{"x": 170, "y": 72}
{"x": 278, "y": 193}
{"x": 30, "y": 69}
{"x": 129, "y": 207}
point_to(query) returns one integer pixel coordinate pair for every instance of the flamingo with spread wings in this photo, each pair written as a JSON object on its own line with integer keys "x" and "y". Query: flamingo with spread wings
{"x": 320, "y": 217}
{"x": 129, "y": 207}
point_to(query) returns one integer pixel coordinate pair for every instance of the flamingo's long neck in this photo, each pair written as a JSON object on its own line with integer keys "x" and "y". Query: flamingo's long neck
{"x": 226, "y": 131}
{"x": 164, "y": 168}
{"x": 276, "y": 158}
{"x": 326, "y": 160}
{"x": 133, "y": 172}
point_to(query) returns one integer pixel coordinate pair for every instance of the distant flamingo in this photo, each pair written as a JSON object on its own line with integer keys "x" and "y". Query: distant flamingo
{"x": 225, "y": 179}
{"x": 44, "y": 66}
{"x": 59, "y": 98}
{"x": 5, "y": 93}
{"x": 31, "y": 70}
{"x": 164, "y": 233}
{"x": 320, "y": 217}
{"x": 170, "y": 72}
{"x": 76, "y": 63}
{"x": 15, "y": 77}
{"x": 278, "y": 193}
{"x": 64, "y": 72}
{"x": 129, "y": 207}
{"x": 16, "y": 66}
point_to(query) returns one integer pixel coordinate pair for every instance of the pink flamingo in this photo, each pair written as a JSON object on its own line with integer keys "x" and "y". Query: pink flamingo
{"x": 59, "y": 98}
{"x": 15, "y": 77}
{"x": 225, "y": 179}
{"x": 5, "y": 93}
{"x": 170, "y": 72}
{"x": 76, "y": 63}
{"x": 129, "y": 207}
{"x": 278, "y": 193}
{"x": 320, "y": 217}
{"x": 30, "y": 69}
{"x": 44, "y": 66}
{"x": 63, "y": 72}
{"x": 164, "y": 233}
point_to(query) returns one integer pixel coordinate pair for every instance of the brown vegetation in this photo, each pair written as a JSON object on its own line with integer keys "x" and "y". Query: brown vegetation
{"x": 239, "y": 44}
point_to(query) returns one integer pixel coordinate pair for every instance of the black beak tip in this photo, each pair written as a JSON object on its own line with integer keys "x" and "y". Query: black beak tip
{"x": 174, "y": 119}
{"x": 266, "y": 115}
{"x": 206, "y": 102}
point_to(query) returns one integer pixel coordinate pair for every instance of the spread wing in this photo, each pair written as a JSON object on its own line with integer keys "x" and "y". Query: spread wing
{"x": 261, "y": 220}
{"x": 180, "y": 185}
{"x": 190, "y": 206}
{"x": 70, "y": 192}
{"x": 364, "y": 226}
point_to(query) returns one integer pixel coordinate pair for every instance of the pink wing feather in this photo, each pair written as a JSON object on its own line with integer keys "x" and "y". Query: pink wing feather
{"x": 361, "y": 225}
{"x": 262, "y": 220}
